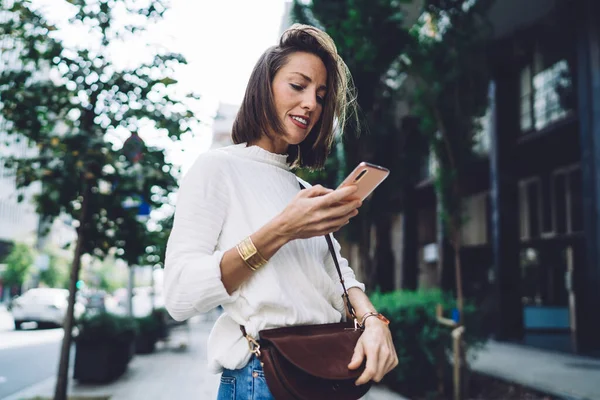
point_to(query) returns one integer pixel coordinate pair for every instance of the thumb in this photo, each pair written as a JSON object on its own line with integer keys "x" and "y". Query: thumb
{"x": 357, "y": 357}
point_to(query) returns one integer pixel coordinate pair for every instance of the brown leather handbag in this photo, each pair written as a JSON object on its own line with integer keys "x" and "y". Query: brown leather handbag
{"x": 310, "y": 362}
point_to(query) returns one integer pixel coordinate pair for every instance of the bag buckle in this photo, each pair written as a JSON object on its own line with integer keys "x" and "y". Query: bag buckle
{"x": 253, "y": 345}
{"x": 357, "y": 326}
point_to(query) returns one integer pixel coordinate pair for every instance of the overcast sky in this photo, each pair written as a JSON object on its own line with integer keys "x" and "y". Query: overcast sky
{"x": 221, "y": 40}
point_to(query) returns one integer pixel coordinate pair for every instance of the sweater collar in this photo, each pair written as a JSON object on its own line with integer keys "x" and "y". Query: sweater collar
{"x": 259, "y": 154}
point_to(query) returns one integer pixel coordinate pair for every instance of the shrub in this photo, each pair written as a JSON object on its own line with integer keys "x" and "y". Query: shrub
{"x": 162, "y": 319}
{"x": 423, "y": 345}
{"x": 148, "y": 325}
{"x": 105, "y": 327}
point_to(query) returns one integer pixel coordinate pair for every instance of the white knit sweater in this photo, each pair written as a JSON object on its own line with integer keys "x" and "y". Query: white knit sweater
{"x": 228, "y": 194}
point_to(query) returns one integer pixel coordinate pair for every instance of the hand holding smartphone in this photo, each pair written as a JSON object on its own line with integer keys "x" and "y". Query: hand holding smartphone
{"x": 367, "y": 177}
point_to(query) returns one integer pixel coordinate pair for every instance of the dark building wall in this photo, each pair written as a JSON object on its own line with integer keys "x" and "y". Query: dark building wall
{"x": 542, "y": 178}
{"x": 587, "y": 279}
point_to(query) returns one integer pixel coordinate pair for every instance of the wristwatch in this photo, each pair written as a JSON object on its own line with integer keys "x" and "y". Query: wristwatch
{"x": 377, "y": 315}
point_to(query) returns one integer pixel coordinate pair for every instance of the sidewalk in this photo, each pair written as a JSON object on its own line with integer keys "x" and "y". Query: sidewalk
{"x": 563, "y": 375}
{"x": 169, "y": 373}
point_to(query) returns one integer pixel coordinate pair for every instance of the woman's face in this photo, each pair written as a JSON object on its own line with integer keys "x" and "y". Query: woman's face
{"x": 299, "y": 89}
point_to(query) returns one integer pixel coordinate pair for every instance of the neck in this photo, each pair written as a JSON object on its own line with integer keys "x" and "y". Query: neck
{"x": 272, "y": 145}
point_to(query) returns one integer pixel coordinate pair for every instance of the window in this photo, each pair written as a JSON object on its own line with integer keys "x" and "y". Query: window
{"x": 530, "y": 208}
{"x": 551, "y": 89}
{"x": 526, "y": 112}
{"x": 575, "y": 201}
{"x": 428, "y": 166}
{"x": 568, "y": 200}
{"x": 551, "y": 204}
{"x": 474, "y": 229}
{"x": 482, "y": 137}
{"x": 543, "y": 273}
{"x": 546, "y": 95}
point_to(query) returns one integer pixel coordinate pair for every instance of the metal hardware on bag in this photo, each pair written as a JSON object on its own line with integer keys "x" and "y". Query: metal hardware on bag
{"x": 357, "y": 326}
{"x": 253, "y": 345}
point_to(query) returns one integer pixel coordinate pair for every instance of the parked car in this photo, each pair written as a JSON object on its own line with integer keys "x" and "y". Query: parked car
{"x": 45, "y": 306}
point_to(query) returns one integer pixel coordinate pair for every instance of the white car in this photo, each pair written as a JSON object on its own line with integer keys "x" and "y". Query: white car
{"x": 45, "y": 306}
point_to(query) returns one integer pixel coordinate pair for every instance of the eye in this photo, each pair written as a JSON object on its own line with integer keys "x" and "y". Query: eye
{"x": 320, "y": 100}
{"x": 296, "y": 87}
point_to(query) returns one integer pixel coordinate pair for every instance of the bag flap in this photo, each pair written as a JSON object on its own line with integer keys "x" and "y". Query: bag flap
{"x": 320, "y": 350}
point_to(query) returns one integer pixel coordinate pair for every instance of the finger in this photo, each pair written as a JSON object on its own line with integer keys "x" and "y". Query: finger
{"x": 370, "y": 369}
{"x": 316, "y": 191}
{"x": 341, "y": 209}
{"x": 332, "y": 225}
{"x": 384, "y": 360}
{"x": 390, "y": 363}
{"x": 332, "y": 216}
{"x": 357, "y": 357}
{"x": 340, "y": 194}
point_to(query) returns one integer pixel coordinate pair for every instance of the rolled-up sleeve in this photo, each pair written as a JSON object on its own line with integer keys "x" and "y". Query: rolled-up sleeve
{"x": 192, "y": 276}
{"x": 348, "y": 275}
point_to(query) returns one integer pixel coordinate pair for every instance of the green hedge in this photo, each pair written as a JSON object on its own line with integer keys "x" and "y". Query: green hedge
{"x": 105, "y": 327}
{"x": 420, "y": 340}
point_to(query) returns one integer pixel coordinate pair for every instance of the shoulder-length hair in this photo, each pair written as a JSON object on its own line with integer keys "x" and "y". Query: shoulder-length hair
{"x": 257, "y": 115}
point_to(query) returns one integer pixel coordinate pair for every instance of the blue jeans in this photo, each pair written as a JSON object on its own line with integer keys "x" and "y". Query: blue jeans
{"x": 246, "y": 383}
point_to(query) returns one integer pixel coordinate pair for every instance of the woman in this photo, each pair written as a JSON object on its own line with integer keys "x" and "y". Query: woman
{"x": 245, "y": 236}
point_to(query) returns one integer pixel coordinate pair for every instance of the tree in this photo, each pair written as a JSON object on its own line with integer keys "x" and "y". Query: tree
{"x": 57, "y": 273}
{"x": 73, "y": 103}
{"x": 108, "y": 276}
{"x": 18, "y": 263}
{"x": 370, "y": 37}
{"x": 448, "y": 62}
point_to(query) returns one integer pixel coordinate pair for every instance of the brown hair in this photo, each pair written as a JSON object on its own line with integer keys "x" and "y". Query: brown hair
{"x": 257, "y": 115}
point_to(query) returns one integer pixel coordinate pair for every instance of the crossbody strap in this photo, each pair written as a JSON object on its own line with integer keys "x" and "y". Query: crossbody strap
{"x": 337, "y": 267}
{"x": 255, "y": 346}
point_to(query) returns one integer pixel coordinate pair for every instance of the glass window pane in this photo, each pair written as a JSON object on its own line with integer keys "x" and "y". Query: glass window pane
{"x": 552, "y": 93}
{"x": 533, "y": 200}
{"x": 575, "y": 190}
{"x": 547, "y": 225}
{"x": 525, "y": 89}
{"x": 560, "y": 197}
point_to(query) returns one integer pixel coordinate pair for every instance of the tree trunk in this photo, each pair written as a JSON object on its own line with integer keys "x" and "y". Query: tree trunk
{"x": 458, "y": 277}
{"x": 60, "y": 392}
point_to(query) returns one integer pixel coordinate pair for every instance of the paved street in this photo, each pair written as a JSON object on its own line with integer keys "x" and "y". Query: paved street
{"x": 26, "y": 357}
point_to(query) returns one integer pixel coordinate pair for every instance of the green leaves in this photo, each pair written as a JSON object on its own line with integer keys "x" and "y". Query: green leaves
{"x": 75, "y": 119}
{"x": 18, "y": 263}
{"x": 421, "y": 342}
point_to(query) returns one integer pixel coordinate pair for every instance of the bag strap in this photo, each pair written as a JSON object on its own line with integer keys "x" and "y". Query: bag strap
{"x": 337, "y": 267}
{"x": 255, "y": 346}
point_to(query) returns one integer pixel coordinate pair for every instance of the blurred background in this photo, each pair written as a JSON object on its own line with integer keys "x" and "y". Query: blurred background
{"x": 487, "y": 113}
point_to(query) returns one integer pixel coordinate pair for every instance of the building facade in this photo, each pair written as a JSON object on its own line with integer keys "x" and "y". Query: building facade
{"x": 222, "y": 124}
{"x": 532, "y": 237}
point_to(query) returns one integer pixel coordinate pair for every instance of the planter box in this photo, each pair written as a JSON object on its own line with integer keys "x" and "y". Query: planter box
{"x": 101, "y": 362}
{"x": 145, "y": 344}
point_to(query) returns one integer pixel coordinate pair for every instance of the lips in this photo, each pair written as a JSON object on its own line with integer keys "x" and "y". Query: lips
{"x": 300, "y": 121}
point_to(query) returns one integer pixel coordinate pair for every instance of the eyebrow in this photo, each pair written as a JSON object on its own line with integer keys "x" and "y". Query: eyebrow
{"x": 307, "y": 78}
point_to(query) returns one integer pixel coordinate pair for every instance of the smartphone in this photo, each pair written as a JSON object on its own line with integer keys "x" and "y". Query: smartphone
{"x": 367, "y": 177}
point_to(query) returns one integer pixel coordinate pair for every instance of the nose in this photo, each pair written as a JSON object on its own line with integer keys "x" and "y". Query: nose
{"x": 309, "y": 101}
